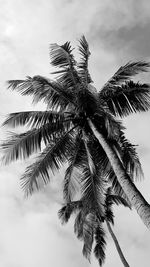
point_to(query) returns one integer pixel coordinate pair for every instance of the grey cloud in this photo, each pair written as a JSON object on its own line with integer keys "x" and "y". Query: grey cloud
{"x": 123, "y": 29}
{"x": 134, "y": 41}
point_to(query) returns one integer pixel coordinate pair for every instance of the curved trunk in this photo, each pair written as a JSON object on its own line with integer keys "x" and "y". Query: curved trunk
{"x": 117, "y": 245}
{"x": 135, "y": 197}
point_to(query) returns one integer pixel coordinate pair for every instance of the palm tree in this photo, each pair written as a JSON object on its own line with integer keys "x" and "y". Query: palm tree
{"x": 88, "y": 225}
{"x": 78, "y": 115}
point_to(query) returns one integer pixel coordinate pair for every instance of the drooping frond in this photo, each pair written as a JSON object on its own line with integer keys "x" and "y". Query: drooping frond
{"x": 83, "y": 64}
{"x": 66, "y": 211}
{"x": 131, "y": 160}
{"x": 34, "y": 118}
{"x": 75, "y": 160}
{"x": 89, "y": 225}
{"x": 70, "y": 183}
{"x": 78, "y": 224}
{"x": 116, "y": 187}
{"x": 99, "y": 157}
{"x": 127, "y": 98}
{"x": 93, "y": 191}
{"x": 51, "y": 92}
{"x": 99, "y": 249}
{"x": 53, "y": 156}
{"x": 115, "y": 199}
{"x": 129, "y": 157}
{"x": 92, "y": 183}
{"x": 125, "y": 72}
{"x": 90, "y": 162}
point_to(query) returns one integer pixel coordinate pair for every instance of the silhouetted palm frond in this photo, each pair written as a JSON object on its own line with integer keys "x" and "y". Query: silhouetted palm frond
{"x": 52, "y": 157}
{"x": 127, "y": 98}
{"x": 83, "y": 64}
{"x": 76, "y": 161}
{"x": 126, "y": 72}
{"x": 51, "y": 92}
{"x": 61, "y": 55}
{"x": 99, "y": 249}
{"x": 89, "y": 225}
{"x": 66, "y": 211}
{"x": 21, "y": 146}
{"x": 34, "y": 118}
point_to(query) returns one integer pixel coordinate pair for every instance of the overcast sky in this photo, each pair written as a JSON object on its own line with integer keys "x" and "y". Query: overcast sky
{"x": 118, "y": 31}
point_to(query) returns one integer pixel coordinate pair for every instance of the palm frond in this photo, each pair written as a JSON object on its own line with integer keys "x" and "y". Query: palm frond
{"x": 126, "y": 72}
{"x": 66, "y": 211}
{"x": 90, "y": 161}
{"x": 109, "y": 216}
{"x": 70, "y": 186}
{"x": 89, "y": 225}
{"x": 33, "y": 118}
{"x": 117, "y": 189}
{"x": 78, "y": 225}
{"x": 99, "y": 249}
{"x": 83, "y": 64}
{"x": 21, "y": 146}
{"x": 61, "y": 56}
{"x": 99, "y": 157}
{"x": 51, "y": 92}
{"x": 75, "y": 161}
{"x": 130, "y": 159}
{"x": 53, "y": 156}
{"x": 92, "y": 187}
{"x": 127, "y": 98}
{"x": 115, "y": 199}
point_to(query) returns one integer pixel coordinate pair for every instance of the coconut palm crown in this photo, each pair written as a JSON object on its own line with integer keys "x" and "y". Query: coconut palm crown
{"x": 63, "y": 133}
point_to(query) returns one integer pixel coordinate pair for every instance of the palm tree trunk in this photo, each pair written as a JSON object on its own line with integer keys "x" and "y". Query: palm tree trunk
{"x": 135, "y": 197}
{"x": 117, "y": 245}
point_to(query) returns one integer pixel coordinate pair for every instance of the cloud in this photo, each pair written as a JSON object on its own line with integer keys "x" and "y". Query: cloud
{"x": 124, "y": 29}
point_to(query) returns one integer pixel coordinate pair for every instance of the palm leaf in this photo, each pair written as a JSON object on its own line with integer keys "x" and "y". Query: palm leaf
{"x": 99, "y": 249}
{"x": 131, "y": 161}
{"x": 126, "y": 99}
{"x": 115, "y": 199}
{"x": 66, "y": 211}
{"x": 61, "y": 56}
{"x": 83, "y": 64}
{"x": 33, "y": 118}
{"x": 129, "y": 157}
{"x": 52, "y": 93}
{"x": 24, "y": 144}
{"x": 92, "y": 187}
{"x": 53, "y": 156}
{"x": 126, "y": 72}
{"x": 78, "y": 225}
{"x": 89, "y": 225}
{"x": 76, "y": 161}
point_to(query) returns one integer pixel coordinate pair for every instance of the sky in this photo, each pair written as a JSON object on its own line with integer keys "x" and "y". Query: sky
{"x": 118, "y": 31}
